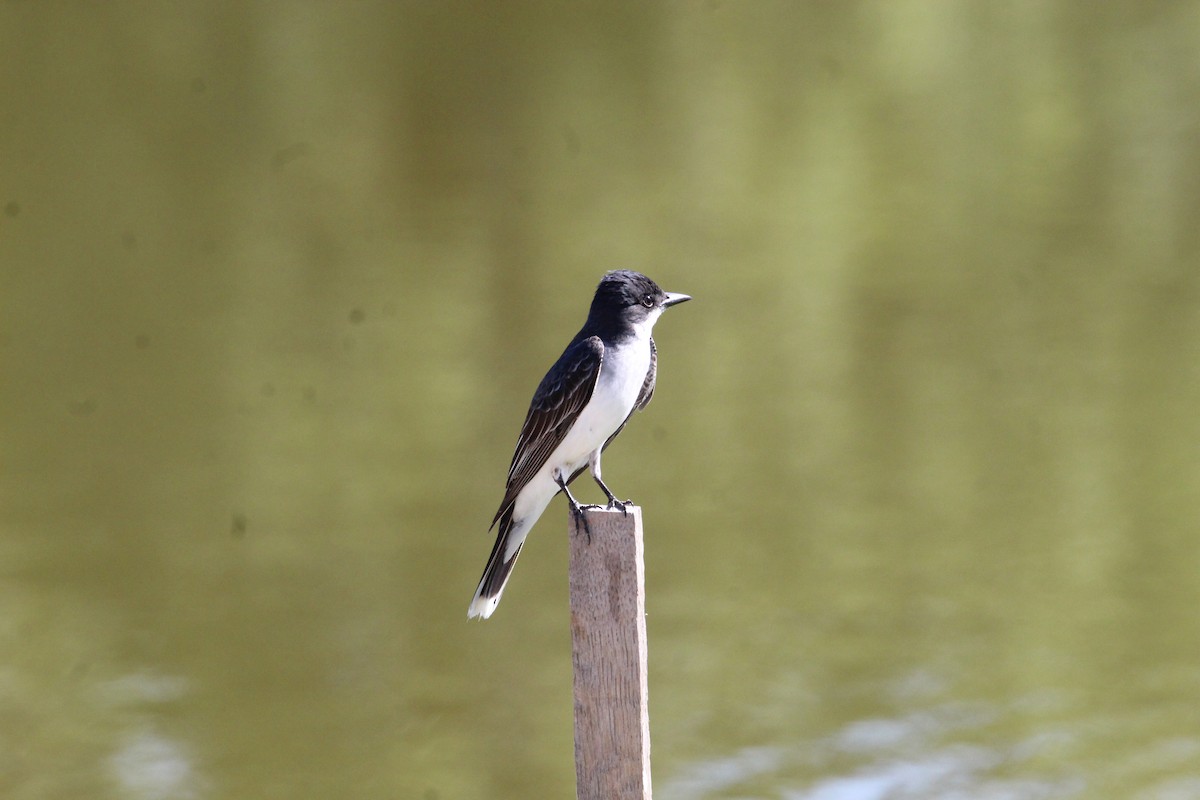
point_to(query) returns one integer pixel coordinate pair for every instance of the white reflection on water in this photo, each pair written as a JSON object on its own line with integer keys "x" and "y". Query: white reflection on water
{"x": 143, "y": 687}
{"x": 952, "y": 773}
{"x": 707, "y": 778}
{"x": 1172, "y": 789}
{"x": 150, "y": 766}
{"x": 147, "y": 764}
{"x": 884, "y": 759}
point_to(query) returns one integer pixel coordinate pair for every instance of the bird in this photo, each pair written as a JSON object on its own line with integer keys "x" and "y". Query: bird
{"x": 606, "y": 373}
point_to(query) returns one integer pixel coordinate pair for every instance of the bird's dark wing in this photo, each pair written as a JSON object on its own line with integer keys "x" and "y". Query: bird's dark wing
{"x": 648, "y": 384}
{"x": 556, "y": 404}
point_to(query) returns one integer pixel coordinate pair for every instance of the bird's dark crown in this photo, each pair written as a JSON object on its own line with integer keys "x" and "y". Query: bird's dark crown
{"x": 622, "y": 288}
{"x": 624, "y": 300}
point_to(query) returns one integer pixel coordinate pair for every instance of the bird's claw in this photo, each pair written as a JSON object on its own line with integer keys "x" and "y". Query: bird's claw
{"x": 581, "y": 520}
{"x": 614, "y": 503}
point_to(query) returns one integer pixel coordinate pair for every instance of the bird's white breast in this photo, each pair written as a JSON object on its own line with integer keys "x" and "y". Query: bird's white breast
{"x": 622, "y": 373}
{"x": 621, "y": 377}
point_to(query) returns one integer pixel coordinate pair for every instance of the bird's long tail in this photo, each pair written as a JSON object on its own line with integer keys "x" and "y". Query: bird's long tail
{"x": 499, "y": 566}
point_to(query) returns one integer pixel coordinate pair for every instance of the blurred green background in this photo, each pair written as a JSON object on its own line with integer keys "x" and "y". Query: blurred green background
{"x": 921, "y": 480}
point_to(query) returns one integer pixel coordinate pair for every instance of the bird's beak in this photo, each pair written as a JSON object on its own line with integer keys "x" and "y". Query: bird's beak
{"x": 673, "y": 299}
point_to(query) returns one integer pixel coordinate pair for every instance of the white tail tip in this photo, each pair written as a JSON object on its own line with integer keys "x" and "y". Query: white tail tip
{"x": 483, "y": 607}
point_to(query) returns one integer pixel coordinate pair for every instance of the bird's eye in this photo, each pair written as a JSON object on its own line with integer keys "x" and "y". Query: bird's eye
{"x": 648, "y": 300}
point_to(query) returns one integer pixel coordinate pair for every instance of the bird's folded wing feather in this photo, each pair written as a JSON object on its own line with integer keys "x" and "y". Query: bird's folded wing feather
{"x": 651, "y": 375}
{"x": 556, "y": 405}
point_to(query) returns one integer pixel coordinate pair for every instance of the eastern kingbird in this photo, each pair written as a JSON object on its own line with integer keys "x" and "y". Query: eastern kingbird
{"x": 605, "y": 374}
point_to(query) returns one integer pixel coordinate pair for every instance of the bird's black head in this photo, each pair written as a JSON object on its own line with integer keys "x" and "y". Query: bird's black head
{"x": 628, "y": 300}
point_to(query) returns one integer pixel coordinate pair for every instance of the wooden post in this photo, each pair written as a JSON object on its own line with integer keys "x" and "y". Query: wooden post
{"x": 608, "y": 651}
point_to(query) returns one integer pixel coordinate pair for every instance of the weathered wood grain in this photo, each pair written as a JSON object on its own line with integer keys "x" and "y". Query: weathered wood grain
{"x": 609, "y": 654}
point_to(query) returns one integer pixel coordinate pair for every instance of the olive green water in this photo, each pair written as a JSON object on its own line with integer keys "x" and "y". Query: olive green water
{"x": 921, "y": 480}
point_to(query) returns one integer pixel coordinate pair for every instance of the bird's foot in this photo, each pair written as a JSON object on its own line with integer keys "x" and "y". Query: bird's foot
{"x": 614, "y": 503}
{"x": 581, "y": 519}
{"x": 576, "y": 509}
